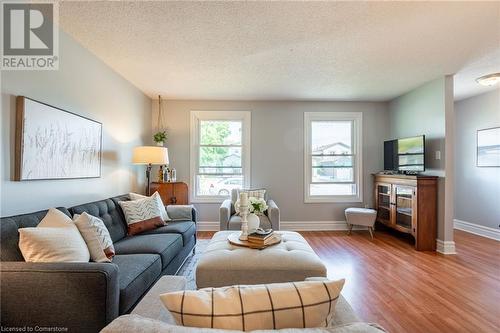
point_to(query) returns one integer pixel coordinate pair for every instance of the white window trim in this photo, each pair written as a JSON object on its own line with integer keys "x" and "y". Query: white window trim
{"x": 357, "y": 118}
{"x": 196, "y": 116}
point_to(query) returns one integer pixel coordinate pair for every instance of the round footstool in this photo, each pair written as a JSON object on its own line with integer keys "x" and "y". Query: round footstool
{"x": 361, "y": 216}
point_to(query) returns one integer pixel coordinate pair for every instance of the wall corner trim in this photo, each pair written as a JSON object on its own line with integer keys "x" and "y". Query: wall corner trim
{"x": 477, "y": 229}
{"x": 445, "y": 247}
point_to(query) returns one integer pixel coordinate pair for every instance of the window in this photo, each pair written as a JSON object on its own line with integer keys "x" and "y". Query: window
{"x": 332, "y": 161}
{"x": 220, "y": 154}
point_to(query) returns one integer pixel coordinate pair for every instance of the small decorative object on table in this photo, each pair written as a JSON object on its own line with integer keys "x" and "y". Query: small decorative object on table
{"x": 233, "y": 238}
{"x": 160, "y": 174}
{"x": 243, "y": 207}
{"x": 256, "y": 207}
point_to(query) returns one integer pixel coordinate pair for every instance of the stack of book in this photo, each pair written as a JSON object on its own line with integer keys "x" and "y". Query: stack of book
{"x": 262, "y": 239}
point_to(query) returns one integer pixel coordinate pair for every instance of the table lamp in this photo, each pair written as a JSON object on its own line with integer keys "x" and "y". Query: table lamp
{"x": 150, "y": 155}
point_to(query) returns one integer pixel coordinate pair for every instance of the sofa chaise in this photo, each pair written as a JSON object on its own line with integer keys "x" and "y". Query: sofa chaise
{"x": 85, "y": 297}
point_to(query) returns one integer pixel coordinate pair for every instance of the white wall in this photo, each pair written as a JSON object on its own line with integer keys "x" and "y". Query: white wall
{"x": 86, "y": 86}
{"x": 477, "y": 189}
{"x": 427, "y": 110}
{"x": 277, "y": 160}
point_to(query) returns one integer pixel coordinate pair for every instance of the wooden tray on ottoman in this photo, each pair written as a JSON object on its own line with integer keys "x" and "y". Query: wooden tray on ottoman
{"x": 234, "y": 239}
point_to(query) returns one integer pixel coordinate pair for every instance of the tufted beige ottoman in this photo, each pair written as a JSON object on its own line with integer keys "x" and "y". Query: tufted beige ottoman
{"x": 223, "y": 264}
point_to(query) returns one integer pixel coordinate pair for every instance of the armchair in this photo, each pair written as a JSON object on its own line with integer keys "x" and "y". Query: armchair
{"x": 228, "y": 219}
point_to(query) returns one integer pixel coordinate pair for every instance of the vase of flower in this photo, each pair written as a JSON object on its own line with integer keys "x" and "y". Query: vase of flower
{"x": 256, "y": 207}
{"x": 253, "y": 222}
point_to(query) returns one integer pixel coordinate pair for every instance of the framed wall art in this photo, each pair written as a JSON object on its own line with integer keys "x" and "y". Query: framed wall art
{"x": 52, "y": 143}
{"x": 488, "y": 147}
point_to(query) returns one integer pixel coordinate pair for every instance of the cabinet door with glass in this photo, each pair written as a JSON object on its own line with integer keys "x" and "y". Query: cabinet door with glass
{"x": 404, "y": 206}
{"x": 383, "y": 202}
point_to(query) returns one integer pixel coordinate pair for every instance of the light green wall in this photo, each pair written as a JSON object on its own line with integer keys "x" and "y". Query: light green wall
{"x": 86, "y": 86}
{"x": 428, "y": 110}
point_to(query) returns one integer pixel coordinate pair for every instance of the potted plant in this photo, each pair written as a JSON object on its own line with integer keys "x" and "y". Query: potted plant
{"x": 160, "y": 138}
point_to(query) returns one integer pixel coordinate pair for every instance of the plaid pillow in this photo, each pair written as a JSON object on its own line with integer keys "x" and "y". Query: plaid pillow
{"x": 255, "y": 307}
{"x": 257, "y": 193}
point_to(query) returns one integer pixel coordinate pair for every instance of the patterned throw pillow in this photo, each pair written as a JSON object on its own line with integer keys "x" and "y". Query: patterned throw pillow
{"x": 255, "y": 307}
{"x": 159, "y": 202}
{"x": 97, "y": 237}
{"x": 142, "y": 215}
{"x": 256, "y": 193}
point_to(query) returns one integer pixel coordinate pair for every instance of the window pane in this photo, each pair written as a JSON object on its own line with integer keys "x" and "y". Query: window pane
{"x": 331, "y": 137}
{"x": 332, "y": 175}
{"x": 331, "y": 161}
{"x": 220, "y": 132}
{"x": 217, "y": 185}
{"x": 220, "y": 157}
{"x": 332, "y": 189}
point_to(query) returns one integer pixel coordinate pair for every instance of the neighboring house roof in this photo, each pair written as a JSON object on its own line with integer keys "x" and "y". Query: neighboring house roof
{"x": 332, "y": 147}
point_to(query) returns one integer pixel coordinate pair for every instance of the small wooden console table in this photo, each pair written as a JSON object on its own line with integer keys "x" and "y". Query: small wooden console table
{"x": 174, "y": 193}
{"x": 408, "y": 204}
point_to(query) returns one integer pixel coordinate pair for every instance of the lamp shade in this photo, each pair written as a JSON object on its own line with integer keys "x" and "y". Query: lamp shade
{"x": 150, "y": 155}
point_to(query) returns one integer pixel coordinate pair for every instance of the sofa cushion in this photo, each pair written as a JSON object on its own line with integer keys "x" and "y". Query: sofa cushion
{"x": 136, "y": 274}
{"x": 109, "y": 212}
{"x": 166, "y": 245}
{"x": 9, "y": 235}
{"x": 185, "y": 228}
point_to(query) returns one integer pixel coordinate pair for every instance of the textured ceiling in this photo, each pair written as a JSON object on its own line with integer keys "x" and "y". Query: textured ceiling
{"x": 276, "y": 50}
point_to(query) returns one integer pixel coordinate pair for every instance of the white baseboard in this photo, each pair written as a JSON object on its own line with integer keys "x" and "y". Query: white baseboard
{"x": 477, "y": 229}
{"x": 207, "y": 226}
{"x": 445, "y": 247}
{"x": 291, "y": 225}
{"x": 316, "y": 226}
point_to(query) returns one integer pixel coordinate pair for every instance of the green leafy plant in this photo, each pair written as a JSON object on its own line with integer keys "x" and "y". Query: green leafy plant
{"x": 160, "y": 136}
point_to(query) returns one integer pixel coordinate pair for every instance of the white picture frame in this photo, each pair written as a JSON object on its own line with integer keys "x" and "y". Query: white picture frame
{"x": 52, "y": 143}
{"x": 488, "y": 147}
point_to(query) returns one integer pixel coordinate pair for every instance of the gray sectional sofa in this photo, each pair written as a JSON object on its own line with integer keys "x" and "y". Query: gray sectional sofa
{"x": 85, "y": 297}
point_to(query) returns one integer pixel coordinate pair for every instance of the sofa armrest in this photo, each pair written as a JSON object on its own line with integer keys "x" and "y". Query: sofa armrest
{"x": 81, "y": 297}
{"x": 182, "y": 212}
{"x": 273, "y": 213}
{"x": 224, "y": 214}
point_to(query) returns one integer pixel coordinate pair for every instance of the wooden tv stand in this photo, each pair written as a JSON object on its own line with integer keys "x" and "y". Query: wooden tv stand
{"x": 408, "y": 204}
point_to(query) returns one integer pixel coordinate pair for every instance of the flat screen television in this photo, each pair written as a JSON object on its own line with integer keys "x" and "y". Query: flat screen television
{"x": 405, "y": 155}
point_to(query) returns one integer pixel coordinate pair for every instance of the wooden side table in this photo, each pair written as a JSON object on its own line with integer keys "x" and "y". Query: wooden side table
{"x": 174, "y": 193}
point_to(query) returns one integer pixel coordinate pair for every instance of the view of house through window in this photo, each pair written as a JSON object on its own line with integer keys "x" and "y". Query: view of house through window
{"x": 332, "y": 158}
{"x": 332, "y": 162}
{"x": 220, "y": 157}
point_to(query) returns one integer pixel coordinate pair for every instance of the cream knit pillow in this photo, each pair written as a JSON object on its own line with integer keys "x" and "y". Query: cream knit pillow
{"x": 55, "y": 239}
{"x": 256, "y": 307}
{"x": 96, "y": 235}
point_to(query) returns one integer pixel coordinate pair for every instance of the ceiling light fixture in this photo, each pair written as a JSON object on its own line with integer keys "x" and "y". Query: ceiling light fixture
{"x": 489, "y": 80}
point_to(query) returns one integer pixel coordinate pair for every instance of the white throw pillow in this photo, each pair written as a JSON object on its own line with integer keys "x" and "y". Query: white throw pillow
{"x": 55, "y": 219}
{"x": 96, "y": 235}
{"x": 159, "y": 202}
{"x": 55, "y": 239}
{"x": 254, "y": 307}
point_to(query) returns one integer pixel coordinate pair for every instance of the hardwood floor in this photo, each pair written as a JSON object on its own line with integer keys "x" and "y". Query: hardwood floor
{"x": 403, "y": 290}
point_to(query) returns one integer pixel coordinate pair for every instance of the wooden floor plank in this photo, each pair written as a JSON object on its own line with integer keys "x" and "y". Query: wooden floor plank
{"x": 390, "y": 283}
